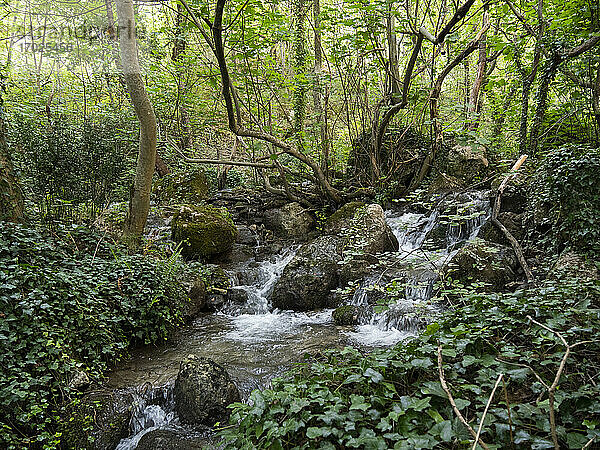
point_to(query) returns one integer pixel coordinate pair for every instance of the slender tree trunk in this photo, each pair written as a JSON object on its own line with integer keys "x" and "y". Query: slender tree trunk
{"x": 596, "y": 101}
{"x": 11, "y": 196}
{"x": 139, "y": 204}
{"x": 542, "y": 103}
{"x": 179, "y": 48}
{"x": 321, "y": 118}
{"x": 475, "y": 96}
{"x": 299, "y": 69}
{"x": 393, "y": 73}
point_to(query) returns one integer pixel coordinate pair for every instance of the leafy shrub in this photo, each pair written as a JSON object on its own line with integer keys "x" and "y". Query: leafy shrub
{"x": 81, "y": 163}
{"x": 394, "y": 398}
{"x": 69, "y": 303}
{"x": 566, "y": 198}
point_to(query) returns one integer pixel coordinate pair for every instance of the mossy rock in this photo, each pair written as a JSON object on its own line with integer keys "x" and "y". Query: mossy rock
{"x": 190, "y": 186}
{"x": 346, "y": 315}
{"x": 204, "y": 231}
{"x": 340, "y": 218}
{"x": 98, "y": 421}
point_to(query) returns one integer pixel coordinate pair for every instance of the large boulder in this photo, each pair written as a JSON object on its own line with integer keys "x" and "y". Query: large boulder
{"x": 487, "y": 262}
{"x": 189, "y": 186}
{"x": 467, "y": 162}
{"x": 99, "y": 421}
{"x": 306, "y": 282}
{"x": 367, "y": 231}
{"x": 290, "y": 221}
{"x": 203, "y": 389}
{"x": 513, "y": 223}
{"x": 354, "y": 236}
{"x": 204, "y": 231}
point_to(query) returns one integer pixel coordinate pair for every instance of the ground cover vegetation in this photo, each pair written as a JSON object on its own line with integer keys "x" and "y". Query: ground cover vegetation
{"x": 71, "y": 303}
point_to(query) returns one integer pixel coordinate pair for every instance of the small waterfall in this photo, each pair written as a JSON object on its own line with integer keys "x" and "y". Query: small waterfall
{"x": 153, "y": 409}
{"x": 427, "y": 243}
{"x": 267, "y": 274}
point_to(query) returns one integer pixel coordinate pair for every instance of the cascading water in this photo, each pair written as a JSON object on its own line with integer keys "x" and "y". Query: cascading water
{"x": 255, "y": 343}
{"x": 152, "y": 409}
{"x": 417, "y": 265}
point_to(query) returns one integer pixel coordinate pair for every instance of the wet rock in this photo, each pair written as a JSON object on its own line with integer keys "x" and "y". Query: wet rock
{"x": 467, "y": 163}
{"x": 573, "y": 265}
{"x": 248, "y": 275}
{"x": 308, "y": 279}
{"x": 215, "y": 302}
{"x": 443, "y": 183}
{"x": 168, "y": 439}
{"x": 368, "y": 232}
{"x": 237, "y": 295}
{"x": 290, "y": 221}
{"x": 487, "y": 262}
{"x": 102, "y": 416}
{"x": 203, "y": 389}
{"x": 512, "y": 221}
{"x": 357, "y": 267}
{"x": 238, "y": 254}
{"x": 346, "y": 315}
{"x": 360, "y": 233}
{"x": 247, "y": 235}
{"x": 341, "y": 218}
{"x": 189, "y": 186}
{"x": 80, "y": 381}
{"x": 197, "y": 299}
{"x": 204, "y": 231}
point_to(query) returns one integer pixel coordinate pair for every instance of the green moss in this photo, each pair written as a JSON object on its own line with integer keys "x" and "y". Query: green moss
{"x": 98, "y": 421}
{"x": 346, "y": 315}
{"x": 338, "y": 219}
{"x": 204, "y": 231}
{"x": 190, "y": 186}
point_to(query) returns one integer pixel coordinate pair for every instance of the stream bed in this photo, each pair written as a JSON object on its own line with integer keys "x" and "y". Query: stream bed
{"x": 255, "y": 344}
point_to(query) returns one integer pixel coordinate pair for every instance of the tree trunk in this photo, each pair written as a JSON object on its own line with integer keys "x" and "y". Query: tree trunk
{"x": 317, "y": 92}
{"x": 139, "y": 204}
{"x": 299, "y": 70}
{"x": 474, "y": 107}
{"x": 542, "y": 103}
{"x": 179, "y": 48}
{"x": 393, "y": 73}
{"x": 11, "y": 196}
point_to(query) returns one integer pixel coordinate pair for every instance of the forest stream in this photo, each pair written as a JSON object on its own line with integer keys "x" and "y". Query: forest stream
{"x": 255, "y": 343}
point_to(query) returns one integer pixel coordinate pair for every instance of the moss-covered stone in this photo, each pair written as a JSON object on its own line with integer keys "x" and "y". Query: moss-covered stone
{"x": 346, "y": 315}
{"x": 340, "y": 218}
{"x": 204, "y": 231}
{"x": 189, "y": 186}
{"x": 99, "y": 421}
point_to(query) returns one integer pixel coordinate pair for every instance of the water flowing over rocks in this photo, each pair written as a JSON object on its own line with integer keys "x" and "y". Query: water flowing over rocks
{"x": 307, "y": 281}
{"x": 203, "y": 389}
{"x": 270, "y": 308}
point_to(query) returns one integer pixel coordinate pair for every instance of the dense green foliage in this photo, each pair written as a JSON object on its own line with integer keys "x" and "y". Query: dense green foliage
{"x": 65, "y": 163}
{"x": 70, "y": 303}
{"x": 394, "y": 399}
{"x": 566, "y": 200}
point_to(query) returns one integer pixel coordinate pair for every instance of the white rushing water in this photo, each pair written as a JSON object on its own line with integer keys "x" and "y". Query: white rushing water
{"x": 256, "y": 343}
{"x": 148, "y": 415}
{"x": 417, "y": 266}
